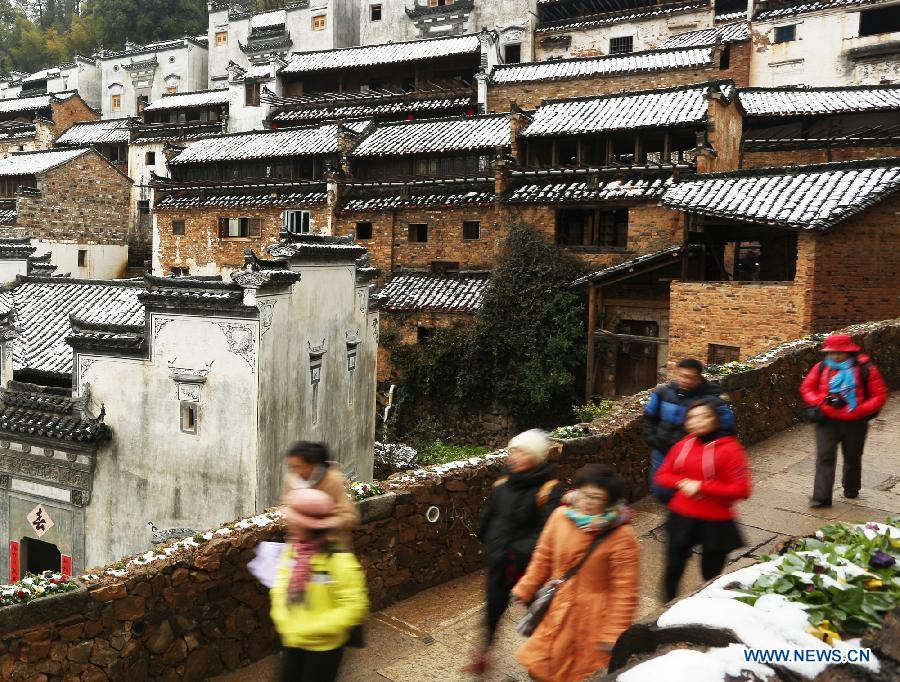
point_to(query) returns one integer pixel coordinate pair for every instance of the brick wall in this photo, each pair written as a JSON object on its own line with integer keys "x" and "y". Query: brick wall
{"x": 529, "y": 95}
{"x": 200, "y": 247}
{"x": 802, "y": 157}
{"x": 69, "y": 112}
{"x": 725, "y": 126}
{"x": 199, "y": 612}
{"x": 85, "y": 200}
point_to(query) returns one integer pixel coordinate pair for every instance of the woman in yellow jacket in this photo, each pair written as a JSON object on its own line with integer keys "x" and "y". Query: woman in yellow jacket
{"x": 320, "y": 591}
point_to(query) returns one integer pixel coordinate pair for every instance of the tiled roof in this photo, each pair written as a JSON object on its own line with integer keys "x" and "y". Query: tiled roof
{"x": 777, "y": 11}
{"x": 436, "y": 135}
{"x": 817, "y": 101}
{"x": 162, "y": 132}
{"x": 725, "y": 33}
{"x": 8, "y": 216}
{"x": 8, "y": 106}
{"x": 244, "y": 198}
{"x": 317, "y": 247}
{"x": 25, "y": 410}
{"x": 798, "y": 197}
{"x": 635, "y": 188}
{"x": 304, "y": 141}
{"x": 388, "y": 53}
{"x": 43, "y": 307}
{"x": 186, "y": 100}
{"x": 462, "y": 293}
{"x": 374, "y": 109}
{"x": 650, "y": 108}
{"x": 268, "y": 20}
{"x": 561, "y": 69}
{"x": 12, "y": 130}
{"x": 446, "y": 197}
{"x": 31, "y": 163}
{"x": 113, "y": 131}
{"x": 636, "y": 14}
{"x": 629, "y": 266}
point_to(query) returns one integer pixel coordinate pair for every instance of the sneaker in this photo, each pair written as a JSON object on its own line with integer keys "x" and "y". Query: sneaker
{"x": 851, "y": 496}
{"x": 818, "y": 504}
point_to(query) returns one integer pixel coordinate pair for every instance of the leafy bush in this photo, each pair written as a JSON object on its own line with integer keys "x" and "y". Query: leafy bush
{"x": 362, "y": 491}
{"x": 33, "y": 587}
{"x": 565, "y": 432}
{"x": 729, "y": 368}
{"x": 591, "y": 411}
{"x": 438, "y": 452}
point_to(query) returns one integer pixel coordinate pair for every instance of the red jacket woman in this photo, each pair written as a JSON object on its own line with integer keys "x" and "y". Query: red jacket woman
{"x": 871, "y": 392}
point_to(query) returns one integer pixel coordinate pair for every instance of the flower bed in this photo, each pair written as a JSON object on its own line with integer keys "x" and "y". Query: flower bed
{"x": 362, "y": 491}
{"x": 33, "y": 587}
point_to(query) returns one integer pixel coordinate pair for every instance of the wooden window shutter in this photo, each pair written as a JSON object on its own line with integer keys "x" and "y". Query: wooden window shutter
{"x": 223, "y": 227}
{"x": 255, "y": 227}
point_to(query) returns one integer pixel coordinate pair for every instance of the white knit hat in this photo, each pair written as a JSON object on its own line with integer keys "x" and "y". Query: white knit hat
{"x": 534, "y": 442}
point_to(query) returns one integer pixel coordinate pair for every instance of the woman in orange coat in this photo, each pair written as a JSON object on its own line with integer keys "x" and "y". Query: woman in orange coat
{"x": 597, "y": 604}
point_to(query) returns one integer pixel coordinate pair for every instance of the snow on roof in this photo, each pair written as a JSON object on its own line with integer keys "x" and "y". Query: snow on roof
{"x": 304, "y": 141}
{"x": 8, "y": 216}
{"x": 185, "y": 100}
{"x": 43, "y": 309}
{"x": 725, "y": 33}
{"x": 816, "y": 101}
{"x": 560, "y": 69}
{"x": 387, "y": 53}
{"x": 629, "y": 266}
{"x": 438, "y": 198}
{"x": 96, "y": 132}
{"x": 373, "y": 109}
{"x": 436, "y": 135}
{"x": 459, "y": 293}
{"x": 268, "y": 19}
{"x": 41, "y": 75}
{"x": 246, "y": 198}
{"x": 641, "y": 188}
{"x": 798, "y": 197}
{"x": 32, "y": 163}
{"x": 803, "y": 7}
{"x": 672, "y": 106}
{"x": 8, "y": 106}
{"x": 595, "y": 20}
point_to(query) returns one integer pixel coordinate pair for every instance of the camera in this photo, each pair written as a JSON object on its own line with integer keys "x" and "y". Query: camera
{"x": 835, "y": 400}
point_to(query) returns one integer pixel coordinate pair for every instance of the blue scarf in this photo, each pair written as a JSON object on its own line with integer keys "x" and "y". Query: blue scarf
{"x": 843, "y": 382}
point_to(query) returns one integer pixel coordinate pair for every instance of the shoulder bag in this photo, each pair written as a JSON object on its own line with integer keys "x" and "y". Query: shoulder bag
{"x": 541, "y": 602}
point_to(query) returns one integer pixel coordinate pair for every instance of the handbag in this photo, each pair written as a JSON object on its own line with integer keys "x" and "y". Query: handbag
{"x": 814, "y": 415}
{"x": 538, "y": 607}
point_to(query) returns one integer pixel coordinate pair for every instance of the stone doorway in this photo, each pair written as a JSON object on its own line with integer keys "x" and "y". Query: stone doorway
{"x": 38, "y": 556}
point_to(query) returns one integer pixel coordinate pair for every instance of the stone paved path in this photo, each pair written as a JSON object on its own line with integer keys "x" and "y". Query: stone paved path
{"x": 430, "y": 636}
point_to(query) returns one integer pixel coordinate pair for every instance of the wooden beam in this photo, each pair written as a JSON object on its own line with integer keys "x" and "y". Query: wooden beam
{"x": 630, "y": 337}
{"x": 592, "y": 324}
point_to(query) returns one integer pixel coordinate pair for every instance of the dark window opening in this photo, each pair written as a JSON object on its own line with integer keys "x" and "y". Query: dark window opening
{"x": 37, "y": 556}
{"x": 717, "y": 354}
{"x": 785, "y": 34}
{"x": 142, "y": 101}
{"x": 567, "y": 152}
{"x": 881, "y": 20}
{"x": 230, "y": 228}
{"x": 296, "y": 222}
{"x": 729, "y": 6}
{"x": 423, "y": 334}
{"x": 188, "y": 417}
{"x": 364, "y": 230}
{"x": 418, "y": 232}
{"x": 592, "y": 227}
{"x": 180, "y": 272}
{"x": 471, "y": 229}
{"x": 150, "y": 158}
{"x": 444, "y": 267}
{"x": 251, "y": 94}
{"x": 737, "y": 254}
{"x": 177, "y": 227}
{"x": 621, "y": 45}
{"x": 143, "y": 207}
{"x": 512, "y": 54}
{"x": 82, "y": 258}
{"x": 725, "y": 57}
{"x": 375, "y": 12}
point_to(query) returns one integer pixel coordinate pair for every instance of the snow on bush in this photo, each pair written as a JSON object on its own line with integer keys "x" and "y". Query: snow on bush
{"x": 393, "y": 457}
{"x": 33, "y": 587}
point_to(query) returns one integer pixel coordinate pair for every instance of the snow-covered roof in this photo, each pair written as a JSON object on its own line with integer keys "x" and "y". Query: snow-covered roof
{"x": 41, "y": 75}
{"x": 268, "y": 19}
{"x": 637, "y": 14}
{"x": 305, "y": 141}
{"x": 798, "y": 197}
{"x": 32, "y": 163}
{"x": 373, "y": 109}
{"x": 629, "y": 266}
{"x": 8, "y": 106}
{"x": 725, "y": 33}
{"x": 442, "y": 196}
{"x": 43, "y": 309}
{"x": 436, "y": 135}
{"x": 672, "y": 106}
{"x": 561, "y": 69}
{"x": 242, "y": 198}
{"x": 387, "y": 53}
{"x": 185, "y": 100}
{"x": 113, "y": 131}
{"x": 8, "y": 216}
{"x": 817, "y": 101}
{"x": 459, "y": 293}
{"x": 636, "y": 188}
{"x": 779, "y": 10}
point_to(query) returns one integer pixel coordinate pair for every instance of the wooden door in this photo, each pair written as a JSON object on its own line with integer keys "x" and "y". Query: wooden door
{"x": 636, "y": 361}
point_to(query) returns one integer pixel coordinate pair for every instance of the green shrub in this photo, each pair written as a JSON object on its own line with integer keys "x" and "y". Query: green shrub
{"x": 591, "y": 411}
{"x": 565, "y": 432}
{"x": 438, "y": 452}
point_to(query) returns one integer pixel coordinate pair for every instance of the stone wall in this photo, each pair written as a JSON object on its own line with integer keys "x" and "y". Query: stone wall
{"x": 198, "y": 612}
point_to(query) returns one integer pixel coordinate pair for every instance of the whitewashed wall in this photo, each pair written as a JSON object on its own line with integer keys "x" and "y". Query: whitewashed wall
{"x": 102, "y": 261}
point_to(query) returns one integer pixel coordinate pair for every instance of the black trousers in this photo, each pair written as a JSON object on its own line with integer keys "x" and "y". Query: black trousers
{"x": 716, "y": 538}
{"x": 499, "y": 588}
{"x": 302, "y": 665}
{"x": 851, "y": 435}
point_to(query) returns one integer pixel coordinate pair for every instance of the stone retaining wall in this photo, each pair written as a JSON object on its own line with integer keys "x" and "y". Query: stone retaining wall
{"x": 198, "y": 612}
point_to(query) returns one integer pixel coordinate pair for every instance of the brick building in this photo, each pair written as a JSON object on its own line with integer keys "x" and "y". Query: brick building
{"x": 74, "y": 202}
{"x": 769, "y": 255}
{"x": 801, "y": 125}
{"x": 33, "y": 123}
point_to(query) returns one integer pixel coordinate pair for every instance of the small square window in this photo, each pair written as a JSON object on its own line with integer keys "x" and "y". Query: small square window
{"x": 221, "y": 38}
{"x": 375, "y": 12}
{"x": 423, "y": 334}
{"x": 150, "y": 158}
{"x": 172, "y": 89}
{"x": 296, "y": 222}
{"x": 418, "y": 232}
{"x": 785, "y": 34}
{"x": 115, "y": 102}
{"x": 188, "y": 417}
{"x": 177, "y": 227}
{"x": 621, "y": 45}
{"x": 239, "y": 227}
{"x": 364, "y": 230}
{"x": 512, "y": 54}
{"x": 879, "y": 20}
{"x": 251, "y": 94}
{"x": 82, "y": 258}
{"x": 471, "y": 229}
{"x": 318, "y": 22}
{"x": 143, "y": 207}
{"x": 180, "y": 272}
{"x": 718, "y": 354}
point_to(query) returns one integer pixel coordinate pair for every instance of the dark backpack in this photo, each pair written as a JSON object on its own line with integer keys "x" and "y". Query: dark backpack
{"x": 863, "y": 376}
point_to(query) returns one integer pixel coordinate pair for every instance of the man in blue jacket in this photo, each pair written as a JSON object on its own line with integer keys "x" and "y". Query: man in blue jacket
{"x": 664, "y": 414}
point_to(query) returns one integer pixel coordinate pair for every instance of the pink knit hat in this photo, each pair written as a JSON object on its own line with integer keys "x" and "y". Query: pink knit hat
{"x": 310, "y": 508}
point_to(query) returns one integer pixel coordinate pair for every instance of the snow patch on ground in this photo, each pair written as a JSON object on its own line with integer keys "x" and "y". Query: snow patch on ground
{"x": 688, "y": 665}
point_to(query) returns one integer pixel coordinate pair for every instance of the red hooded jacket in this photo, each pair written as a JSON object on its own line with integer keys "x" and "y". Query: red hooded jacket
{"x": 721, "y": 468}
{"x": 814, "y": 390}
